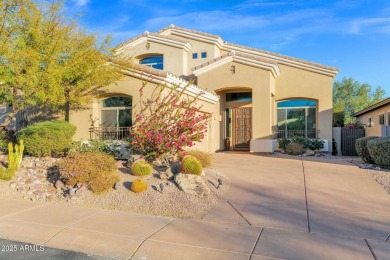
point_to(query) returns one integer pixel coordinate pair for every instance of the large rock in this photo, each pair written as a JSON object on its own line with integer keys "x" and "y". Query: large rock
{"x": 175, "y": 167}
{"x": 309, "y": 153}
{"x": 167, "y": 175}
{"x": 192, "y": 184}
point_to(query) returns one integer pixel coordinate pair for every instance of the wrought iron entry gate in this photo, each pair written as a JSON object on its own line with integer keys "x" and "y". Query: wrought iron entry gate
{"x": 242, "y": 128}
{"x": 348, "y": 138}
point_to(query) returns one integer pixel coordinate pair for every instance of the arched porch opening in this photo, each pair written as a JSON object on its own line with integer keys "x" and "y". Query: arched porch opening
{"x": 236, "y": 108}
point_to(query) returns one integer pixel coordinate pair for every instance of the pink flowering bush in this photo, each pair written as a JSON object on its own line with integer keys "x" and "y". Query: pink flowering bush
{"x": 166, "y": 122}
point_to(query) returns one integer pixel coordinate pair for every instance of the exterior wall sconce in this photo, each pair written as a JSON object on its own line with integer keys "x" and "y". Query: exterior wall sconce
{"x": 233, "y": 69}
{"x": 147, "y": 46}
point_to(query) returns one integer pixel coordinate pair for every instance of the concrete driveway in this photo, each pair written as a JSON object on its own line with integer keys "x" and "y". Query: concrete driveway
{"x": 276, "y": 209}
{"x": 308, "y": 209}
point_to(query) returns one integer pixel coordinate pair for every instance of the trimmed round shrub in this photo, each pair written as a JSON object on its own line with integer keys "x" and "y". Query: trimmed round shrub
{"x": 51, "y": 138}
{"x": 141, "y": 168}
{"x": 206, "y": 159}
{"x": 295, "y": 149}
{"x": 191, "y": 165}
{"x": 314, "y": 144}
{"x": 6, "y": 174}
{"x": 361, "y": 148}
{"x": 98, "y": 170}
{"x": 379, "y": 150}
{"x": 138, "y": 185}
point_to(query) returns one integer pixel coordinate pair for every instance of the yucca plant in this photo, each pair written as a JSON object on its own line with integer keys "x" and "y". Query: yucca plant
{"x": 15, "y": 155}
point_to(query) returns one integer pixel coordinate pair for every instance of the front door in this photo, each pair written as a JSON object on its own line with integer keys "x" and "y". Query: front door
{"x": 242, "y": 128}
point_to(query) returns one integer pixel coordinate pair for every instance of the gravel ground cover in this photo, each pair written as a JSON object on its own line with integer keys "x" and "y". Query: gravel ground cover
{"x": 170, "y": 201}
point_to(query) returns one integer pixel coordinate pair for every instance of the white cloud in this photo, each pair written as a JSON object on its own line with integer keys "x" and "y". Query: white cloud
{"x": 356, "y": 26}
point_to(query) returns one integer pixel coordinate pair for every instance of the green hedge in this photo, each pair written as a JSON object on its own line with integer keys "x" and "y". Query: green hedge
{"x": 52, "y": 138}
{"x": 379, "y": 150}
{"x": 361, "y": 148}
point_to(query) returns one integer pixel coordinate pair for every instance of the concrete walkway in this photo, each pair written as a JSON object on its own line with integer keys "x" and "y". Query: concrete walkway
{"x": 276, "y": 209}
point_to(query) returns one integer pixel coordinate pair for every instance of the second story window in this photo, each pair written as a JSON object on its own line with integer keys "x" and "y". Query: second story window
{"x": 203, "y": 55}
{"x": 156, "y": 62}
{"x": 194, "y": 56}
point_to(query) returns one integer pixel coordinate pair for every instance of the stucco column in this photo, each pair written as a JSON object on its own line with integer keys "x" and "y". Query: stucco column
{"x": 262, "y": 114}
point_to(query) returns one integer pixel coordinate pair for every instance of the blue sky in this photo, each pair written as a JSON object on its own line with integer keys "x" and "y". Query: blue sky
{"x": 352, "y": 35}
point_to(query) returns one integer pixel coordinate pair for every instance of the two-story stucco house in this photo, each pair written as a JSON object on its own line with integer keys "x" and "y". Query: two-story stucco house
{"x": 254, "y": 96}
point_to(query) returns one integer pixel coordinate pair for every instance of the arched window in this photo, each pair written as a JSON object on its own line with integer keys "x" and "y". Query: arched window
{"x": 297, "y": 117}
{"x": 116, "y": 111}
{"x": 156, "y": 61}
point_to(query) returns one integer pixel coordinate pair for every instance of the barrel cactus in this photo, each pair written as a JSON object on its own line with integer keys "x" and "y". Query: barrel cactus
{"x": 191, "y": 165}
{"x": 141, "y": 168}
{"x": 138, "y": 185}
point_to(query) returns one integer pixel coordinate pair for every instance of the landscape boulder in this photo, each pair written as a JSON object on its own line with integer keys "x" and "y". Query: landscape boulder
{"x": 192, "y": 184}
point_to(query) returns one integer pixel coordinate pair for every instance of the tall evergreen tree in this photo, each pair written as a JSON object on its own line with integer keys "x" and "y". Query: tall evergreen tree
{"x": 350, "y": 96}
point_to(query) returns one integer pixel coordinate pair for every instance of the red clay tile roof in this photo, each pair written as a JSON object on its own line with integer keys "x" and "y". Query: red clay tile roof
{"x": 149, "y": 70}
{"x": 189, "y": 30}
{"x": 145, "y": 34}
{"x": 281, "y": 56}
{"x": 227, "y": 44}
{"x": 234, "y": 54}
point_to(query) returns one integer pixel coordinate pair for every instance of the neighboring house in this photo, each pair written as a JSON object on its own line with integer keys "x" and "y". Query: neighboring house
{"x": 254, "y": 96}
{"x": 376, "y": 118}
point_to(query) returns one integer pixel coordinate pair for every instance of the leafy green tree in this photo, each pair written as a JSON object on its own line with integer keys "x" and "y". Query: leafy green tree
{"x": 350, "y": 96}
{"x": 47, "y": 59}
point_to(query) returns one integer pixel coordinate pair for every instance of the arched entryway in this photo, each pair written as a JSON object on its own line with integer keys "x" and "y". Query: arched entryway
{"x": 236, "y": 106}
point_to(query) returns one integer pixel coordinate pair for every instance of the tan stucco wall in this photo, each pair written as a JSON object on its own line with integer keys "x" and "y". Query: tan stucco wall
{"x": 130, "y": 86}
{"x": 175, "y": 59}
{"x": 298, "y": 83}
{"x": 376, "y": 129}
{"x": 259, "y": 81}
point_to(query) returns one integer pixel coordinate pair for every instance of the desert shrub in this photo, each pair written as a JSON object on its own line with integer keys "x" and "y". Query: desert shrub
{"x": 98, "y": 170}
{"x": 299, "y": 140}
{"x": 361, "y": 148}
{"x": 177, "y": 117}
{"x": 141, "y": 168}
{"x": 379, "y": 150}
{"x": 138, "y": 185}
{"x": 295, "y": 149}
{"x": 117, "y": 149}
{"x": 356, "y": 124}
{"x": 307, "y": 143}
{"x": 91, "y": 146}
{"x": 6, "y": 174}
{"x": 206, "y": 159}
{"x": 52, "y": 138}
{"x": 283, "y": 142}
{"x": 191, "y": 165}
{"x": 314, "y": 144}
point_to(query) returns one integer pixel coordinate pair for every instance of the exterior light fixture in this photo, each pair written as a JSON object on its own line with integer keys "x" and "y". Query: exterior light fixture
{"x": 233, "y": 69}
{"x": 147, "y": 46}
